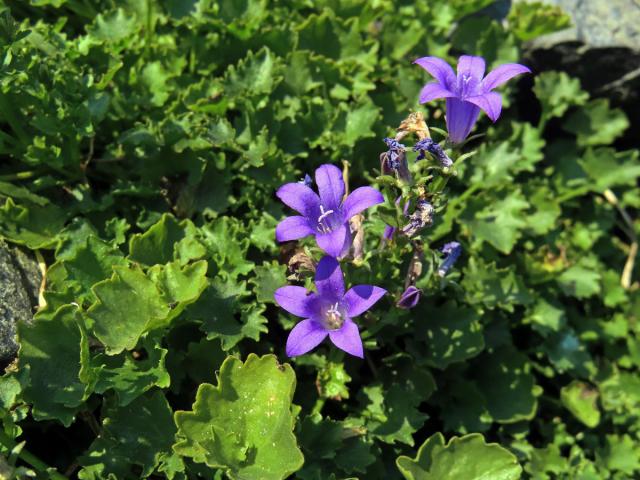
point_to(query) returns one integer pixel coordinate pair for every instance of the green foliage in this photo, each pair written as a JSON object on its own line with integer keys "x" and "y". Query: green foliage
{"x": 463, "y": 457}
{"x": 142, "y": 143}
{"x": 244, "y": 425}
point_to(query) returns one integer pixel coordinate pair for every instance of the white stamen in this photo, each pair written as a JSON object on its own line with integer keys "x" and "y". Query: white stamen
{"x": 323, "y": 227}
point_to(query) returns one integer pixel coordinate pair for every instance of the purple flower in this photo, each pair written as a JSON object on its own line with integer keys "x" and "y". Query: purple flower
{"x": 428, "y": 145}
{"x": 327, "y": 312}
{"x": 452, "y": 250}
{"x": 326, "y": 216}
{"x": 409, "y": 298}
{"x": 467, "y": 92}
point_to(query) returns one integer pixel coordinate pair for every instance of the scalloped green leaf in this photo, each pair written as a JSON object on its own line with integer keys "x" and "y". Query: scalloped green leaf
{"x": 128, "y": 305}
{"x": 244, "y": 425}
{"x": 467, "y": 457}
{"x": 50, "y": 351}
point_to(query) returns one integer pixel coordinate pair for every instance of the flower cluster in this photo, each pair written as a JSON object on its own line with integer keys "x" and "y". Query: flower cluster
{"x": 334, "y": 219}
{"x": 329, "y": 311}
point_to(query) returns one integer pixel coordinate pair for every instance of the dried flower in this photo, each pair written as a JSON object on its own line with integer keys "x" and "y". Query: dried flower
{"x": 467, "y": 92}
{"x": 420, "y": 218}
{"x": 394, "y": 160}
{"x": 328, "y": 312}
{"x": 428, "y": 145}
{"x": 326, "y": 216}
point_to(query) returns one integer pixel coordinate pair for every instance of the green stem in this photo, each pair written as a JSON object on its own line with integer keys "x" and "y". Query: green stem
{"x": 31, "y": 459}
{"x": 317, "y": 408}
{"x": 18, "y": 176}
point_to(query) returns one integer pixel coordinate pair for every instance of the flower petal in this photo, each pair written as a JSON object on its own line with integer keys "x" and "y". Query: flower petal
{"x": 305, "y": 336}
{"x": 293, "y": 228}
{"x": 433, "y": 91}
{"x": 361, "y": 298}
{"x": 329, "y": 280}
{"x": 461, "y": 116}
{"x": 361, "y": 199}
{"x": 347, "y": 338}
{"x": 490, "y": 102}
{"x": 438, "y": 69}
{"x": 502, "y": 74}
{"x": 296, "y": 300}
{"x": 335, "y": 243}
{"x": 330, "y": 186}
{"x": 471, "y": 66}
{"x": 299, "y": 197}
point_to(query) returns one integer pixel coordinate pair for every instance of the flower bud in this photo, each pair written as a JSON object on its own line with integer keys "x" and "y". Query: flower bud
{"x": 452, "y": 250}
{"x": 409, "y": 298}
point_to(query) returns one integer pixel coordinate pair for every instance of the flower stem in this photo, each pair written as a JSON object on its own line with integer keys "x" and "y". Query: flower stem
{"x": 31, "y": 459}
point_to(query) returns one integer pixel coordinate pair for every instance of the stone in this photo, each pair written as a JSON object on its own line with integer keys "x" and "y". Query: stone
{"x": 20, "y": 280}
{"x": 602, "y": 49}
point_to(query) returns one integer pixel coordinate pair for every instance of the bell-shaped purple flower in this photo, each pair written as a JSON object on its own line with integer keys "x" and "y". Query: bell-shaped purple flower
{"x": 328, "y": 312}
{"x": 467, "y": 92}
{"x": 325, "y": 214}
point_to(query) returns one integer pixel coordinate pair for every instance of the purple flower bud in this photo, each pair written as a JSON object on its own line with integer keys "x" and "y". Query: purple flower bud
{"x": 409, "y": 298}
{"x": 452, "y": 250}
{"x": 306, "y": 181}
{"x": 428, "y": 145}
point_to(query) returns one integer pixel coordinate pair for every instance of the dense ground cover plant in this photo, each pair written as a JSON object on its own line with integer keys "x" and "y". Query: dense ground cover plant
{"x": 143, "y": 143}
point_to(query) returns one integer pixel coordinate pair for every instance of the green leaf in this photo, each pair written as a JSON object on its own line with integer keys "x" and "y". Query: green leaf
{"x": 161, "y": 242}
{"x": 128, "y": 305}
{"x": 139, "y": 434}
{"x": 254, "y": 75}
{"x": 493, "y": 287}
{"x": 130, "y": 374}
{"x": 596, "y": 123}
{"x": 607, "y": 167}
{"x": 580, "y": 281}
{"x": 500, "y": 222}
{"x": 332, "y": 381}
{"x": 180, "y": 286}
{"x": 529, "y": 20}
{"x": 244, "y": 425}
{"x": 269, "y": 277}
{"x": 223, "y": 315}
{"x": 34, "y": 226}
{"x": 582, "y": 401}
{"x": 50, "y": 351}
{"x": 467, "y": 457}
{"x": 448, "y": 334}
{"x": 506, "y": 381}
{"x": 557, "y": 92}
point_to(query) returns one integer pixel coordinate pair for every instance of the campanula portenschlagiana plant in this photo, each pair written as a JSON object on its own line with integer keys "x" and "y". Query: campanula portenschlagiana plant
{"x": 325, "y": 214}
{"x": 467, "y": 92}
{"x": 328, "y": 312}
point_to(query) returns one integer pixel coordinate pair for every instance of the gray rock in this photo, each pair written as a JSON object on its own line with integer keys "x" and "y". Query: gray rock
{"x": 602, "y": 23}
{"x": 602, "y": 49}
{"x": 20, "y": 280}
